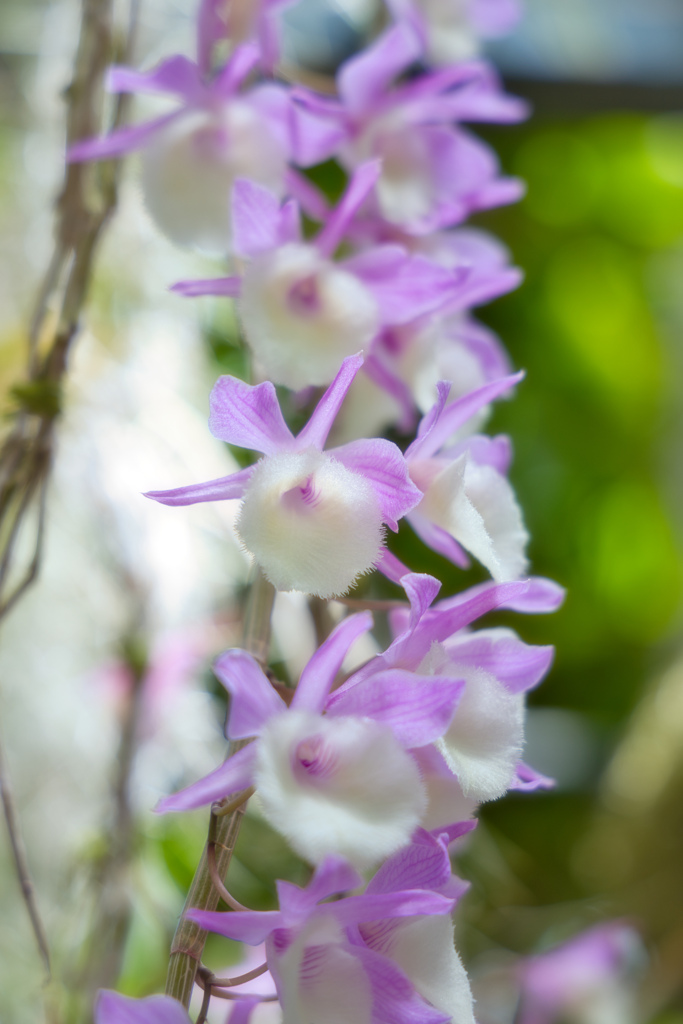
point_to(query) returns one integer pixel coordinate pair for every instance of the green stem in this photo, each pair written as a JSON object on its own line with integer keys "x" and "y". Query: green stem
{"x": 189, "y": 939}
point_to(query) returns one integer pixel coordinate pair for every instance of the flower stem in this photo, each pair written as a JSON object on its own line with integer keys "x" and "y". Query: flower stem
{"x": 189, "y": 939}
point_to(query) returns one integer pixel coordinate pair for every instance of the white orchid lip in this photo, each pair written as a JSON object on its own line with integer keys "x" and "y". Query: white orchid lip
{"x": 310, "y": 523}
{"x": 302, "y": 314}
{"x": 339, "y": 785}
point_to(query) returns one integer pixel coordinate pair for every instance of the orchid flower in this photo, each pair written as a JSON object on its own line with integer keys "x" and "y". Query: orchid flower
{"x": 333, "y": 776}
{"x": 433, "y": 174}
{"x": 585, "y": 980}
{"x": 468, "y": 501}
{"x": 322, "y": 967}
{"x": 192, "y": 155}
{"x": 478, "y": 756}
{"x": 451, "y": 30}
{"x": 313, "y": 520}
{"x": 301, "y": 310}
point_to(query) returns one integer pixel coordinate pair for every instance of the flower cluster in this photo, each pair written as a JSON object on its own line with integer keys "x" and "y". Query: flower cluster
{"x": 369, "y": 320}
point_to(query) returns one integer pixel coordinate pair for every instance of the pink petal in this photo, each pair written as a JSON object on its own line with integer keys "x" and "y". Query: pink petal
{"x": 229, "y": 287}
{"x": 359, "y": 187}
{"x": 248, "y": 416}
{"x": 392, "y": 567}
{"x": 314, "y": 434}
{"x": 253, "y": 699}
{"x": 418, "y": 709}
{"x": 438, "y": 540}
{"x": 177, "y": 75}
{"x": 423, "y": 864}
{"x": 363, "y": 79}
{"x": 250, "y": 926}
{"x": 405, "y": 287}
{"x": 235, "y": 774}
{"x": 243, "y": 60}
{"x": 113, "y": 1008}
{"x": 319, "y": 674}
{"x": 255, "y": 218}
{"x": 517, "y": 665}
{"x": 383, "y": 465}
{"x": 221, "y": 489}
{"x": 120, "y": 142}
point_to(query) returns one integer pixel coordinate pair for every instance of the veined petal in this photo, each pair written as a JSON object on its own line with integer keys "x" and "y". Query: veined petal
{"x": 235, "y": 774}
{"x": 248, "y": 416}
{"x": 221, "y": 489}
{"x": 228, "y": 287}
{"x": 255, "y": 218}
{"x": 253, "y": 699}
{"x": 395, "y": 1000}
{"x": 422, "y": 864}
{"x": 379, "y": 906}
{"x": 334, "y": 875}
{"x": 383, "y": 465}
{"x": 318, "y": 675}
{"x": 417, "y": 709}
{"x": 315, "y": 433}
{"x": 405, "y": 287}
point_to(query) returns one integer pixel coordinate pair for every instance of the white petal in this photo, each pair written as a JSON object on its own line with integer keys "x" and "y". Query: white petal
{"x": 337, "y": 785}
{"x": 478, "y": 507}
{"x": 188, "y": 170}
{"x": 302, "y": 315}
{"x": 310, "y": 523}
{"x": 485, "y": 739}
{"x": 423, "y": 948}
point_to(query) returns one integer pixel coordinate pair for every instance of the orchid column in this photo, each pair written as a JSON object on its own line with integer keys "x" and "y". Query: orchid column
{"x": 369, "y": 321}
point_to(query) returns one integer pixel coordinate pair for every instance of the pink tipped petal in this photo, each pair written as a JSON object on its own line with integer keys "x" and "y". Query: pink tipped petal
{"x": 314, "y": 434}
{"x": 228, "y": 287}
{"x": 319, "y": 674}
{"x": 541, "y": 596}
{"x": 250, "y": 926}
{"x": 253, "y": 699}
{"x": 113, "y": 1008}
{"x": 439, "y": 540}
{"x": 421, "y": 590}
{"x": 528, "y": 779}
{"x": 248, "y": 416}
{"x": 384, "y": 466}
{"x": 359, "y": 187}
{"x": 255, "y": 218}
{"x": 235, "y": 774}
{"x": 517, "y": 665}
{"x": 177, "y": 75}
{"x": 120, "y": 142}
{"x": 363, "y": 79}
{"x": 417, "y": 709}
{"x": 436, "y": 430}
{"x": 244, "y": 59}
{"x": 222, "y": 489}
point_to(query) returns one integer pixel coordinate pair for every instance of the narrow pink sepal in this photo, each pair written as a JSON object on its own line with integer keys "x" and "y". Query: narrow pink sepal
{"x": 391, "y": 566}
{"x": 235, "y": 774}
{"x": 113, "y": 1008}
{"x": 228, "y": 287}
{"x": 176, "y": 75}
{"x": 439, "y": 540}
{"x": 319, "y": 674}
{"x": 250, "y": 926}
{"x": 363, "y": 79}
{"x": 120, "y": 142}
{"x": 221, "y": 489}
{"x": 314, "y": 434}
{"x": 255, "y": 218}
{"x": 359, "y": 187}
{"x": 253, "y": 699}
{"x": 417, "y": 709}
